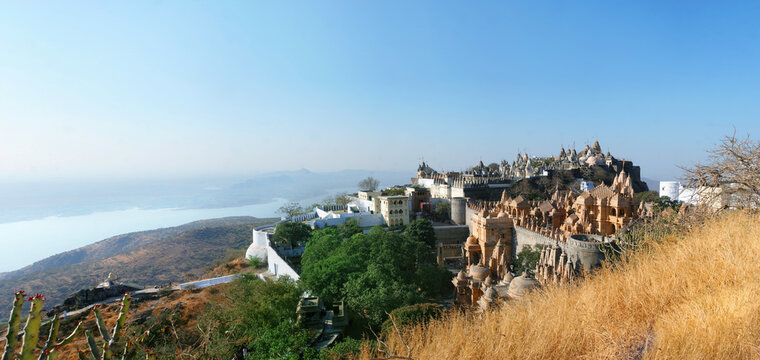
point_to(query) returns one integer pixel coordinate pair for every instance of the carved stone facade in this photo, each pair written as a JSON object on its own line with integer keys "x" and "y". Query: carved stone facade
{"x": 478, "y": 182}
{"x": 598, "y": 213}
{"x": 602, "y": 210}
{"x": 554, "y": 266}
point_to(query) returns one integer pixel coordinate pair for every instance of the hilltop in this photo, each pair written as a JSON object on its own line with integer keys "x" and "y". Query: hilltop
{"x": 694, "y": 295}
{"x": 147, "y": 257}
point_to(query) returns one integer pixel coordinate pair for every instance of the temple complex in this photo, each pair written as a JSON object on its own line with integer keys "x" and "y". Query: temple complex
{"x": 572, "y": 228}
{"x": 485, "y": 183}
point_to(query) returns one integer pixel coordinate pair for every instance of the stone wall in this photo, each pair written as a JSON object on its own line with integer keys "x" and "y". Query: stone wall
{"x": 524, "y": 237}
{"x": 469, "y": 212}
{"x": 278, "y": 266}
{"x": 453, "y": 234}
{"x": 459, "y": 210}
{"x": 582, "y": 250}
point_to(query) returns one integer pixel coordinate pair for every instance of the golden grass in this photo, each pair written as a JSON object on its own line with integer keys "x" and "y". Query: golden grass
{"x": 696, "y": 296}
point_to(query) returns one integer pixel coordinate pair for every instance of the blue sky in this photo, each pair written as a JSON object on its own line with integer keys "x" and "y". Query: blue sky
{"x": 186, "y": 88}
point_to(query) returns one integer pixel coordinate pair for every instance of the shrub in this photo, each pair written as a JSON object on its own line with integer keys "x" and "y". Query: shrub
{"x": 527, "y": 259}
{"x": 256, "y": 262}
{"x": 412, "y": 315}
{"x": 346, "y": 349}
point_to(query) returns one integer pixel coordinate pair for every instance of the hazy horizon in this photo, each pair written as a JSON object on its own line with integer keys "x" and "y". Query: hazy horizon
{"x": 112, "y": 106}
{"x": 47, "y": 219}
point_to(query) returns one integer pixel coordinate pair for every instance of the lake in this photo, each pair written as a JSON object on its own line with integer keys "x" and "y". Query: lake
{"x": 25, "y": 242}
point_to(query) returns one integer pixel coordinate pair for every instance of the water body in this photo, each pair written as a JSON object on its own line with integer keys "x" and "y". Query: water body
{"x": 38, "y": 220}
{"x": 25, "y": 242}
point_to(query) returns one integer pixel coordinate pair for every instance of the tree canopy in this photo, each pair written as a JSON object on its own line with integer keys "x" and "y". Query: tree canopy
{"x": 375, "y": 273}
{"x": 732, "y": 169}
{"x": 369, "y": 184}
{"x": 291, "y": 233}
{"x": 291, "y": 209}
{"x": 421, "y": 230}
{"x": 253, "y": 309}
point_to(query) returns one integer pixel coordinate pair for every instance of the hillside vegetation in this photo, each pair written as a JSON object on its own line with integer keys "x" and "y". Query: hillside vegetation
{"x": 148, "y": 258}
{"x": 694, "y": 296}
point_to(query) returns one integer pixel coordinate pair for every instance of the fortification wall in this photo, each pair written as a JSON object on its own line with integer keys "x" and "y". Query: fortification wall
{"x": 582, "y": 250}
{"x": 523, "y": 237}
{"x": 586, "y": 249}
{"x": 468, "y": 215}
{"x": 456, "y": 234}
{"x": 459, "y": 210}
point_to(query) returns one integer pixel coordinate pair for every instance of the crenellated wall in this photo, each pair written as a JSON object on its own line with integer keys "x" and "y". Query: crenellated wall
{"x": 583, "y": 250}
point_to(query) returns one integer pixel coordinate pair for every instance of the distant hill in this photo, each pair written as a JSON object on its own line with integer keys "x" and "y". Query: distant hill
{"x": 147, "y": 257}
{"x": 29, "y": 201}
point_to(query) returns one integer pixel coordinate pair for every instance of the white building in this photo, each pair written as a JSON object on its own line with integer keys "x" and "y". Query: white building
{"x": 671, "y": 189}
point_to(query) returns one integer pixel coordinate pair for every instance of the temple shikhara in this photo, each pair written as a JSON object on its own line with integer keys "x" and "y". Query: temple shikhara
{"x": 571, "y": 228}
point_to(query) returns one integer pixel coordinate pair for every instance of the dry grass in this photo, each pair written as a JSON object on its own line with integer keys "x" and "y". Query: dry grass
{"x": 696, "y": 296}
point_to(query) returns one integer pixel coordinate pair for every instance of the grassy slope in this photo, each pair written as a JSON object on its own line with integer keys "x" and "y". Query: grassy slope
{"x": 697, "y": 296}
{"x": 169, "y": 256}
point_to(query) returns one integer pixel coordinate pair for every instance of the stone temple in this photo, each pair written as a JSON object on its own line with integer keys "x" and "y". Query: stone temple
{"x": 573, "y": 228}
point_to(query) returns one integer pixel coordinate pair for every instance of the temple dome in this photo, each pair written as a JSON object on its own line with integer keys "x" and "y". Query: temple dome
{"x": 521, "y": 285}
{"x": 490, "y": 294}
{"x": 593, "y": 160}
{"x": 508, "y": 277}
{"x": 471, "y": 240}
{"x": 461, "y": 275}
{"x": 479, "y": 272}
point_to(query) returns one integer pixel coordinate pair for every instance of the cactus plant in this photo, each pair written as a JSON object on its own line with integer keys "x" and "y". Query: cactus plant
{"x": 32, "y": 330}
{"x": 105, "y": 352}
{"x": 50, "y": 350}
{"x": 13, "y": 323}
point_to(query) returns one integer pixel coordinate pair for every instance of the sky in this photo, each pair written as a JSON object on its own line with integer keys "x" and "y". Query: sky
{"x": 153, "y": 89}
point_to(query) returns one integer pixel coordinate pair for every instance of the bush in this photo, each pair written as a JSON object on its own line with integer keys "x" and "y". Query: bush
{"x": 293, "y": 234}
{"x": 256, "y": 262}
{"x": 394, "y": 191}
{"x": 346, "y": 349}
{"x": 527, "y": 259}
{"x": 252, "y": 311}
{"x": 412, "y": 315}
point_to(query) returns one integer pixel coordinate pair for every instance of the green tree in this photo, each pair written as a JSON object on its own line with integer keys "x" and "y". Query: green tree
{"x": 646, "y": 196}
{"x": 411, "y": 315}
{"x": 421, "y": 230}
{"x": 527, "y": 259}
{"x": 291, "y": 209}
{"x": 379, "y": 290}
{"x": 291, "y": 233}
{"x": 328, "y": 262}
{"x": 251, "y": 309}
{"x": 347, "y": 349}
{"x": 285, "y": 341}
{"x": 375, "y": 272}
{"x": 664, "y": 202}
{"x": 350, "y": 228}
